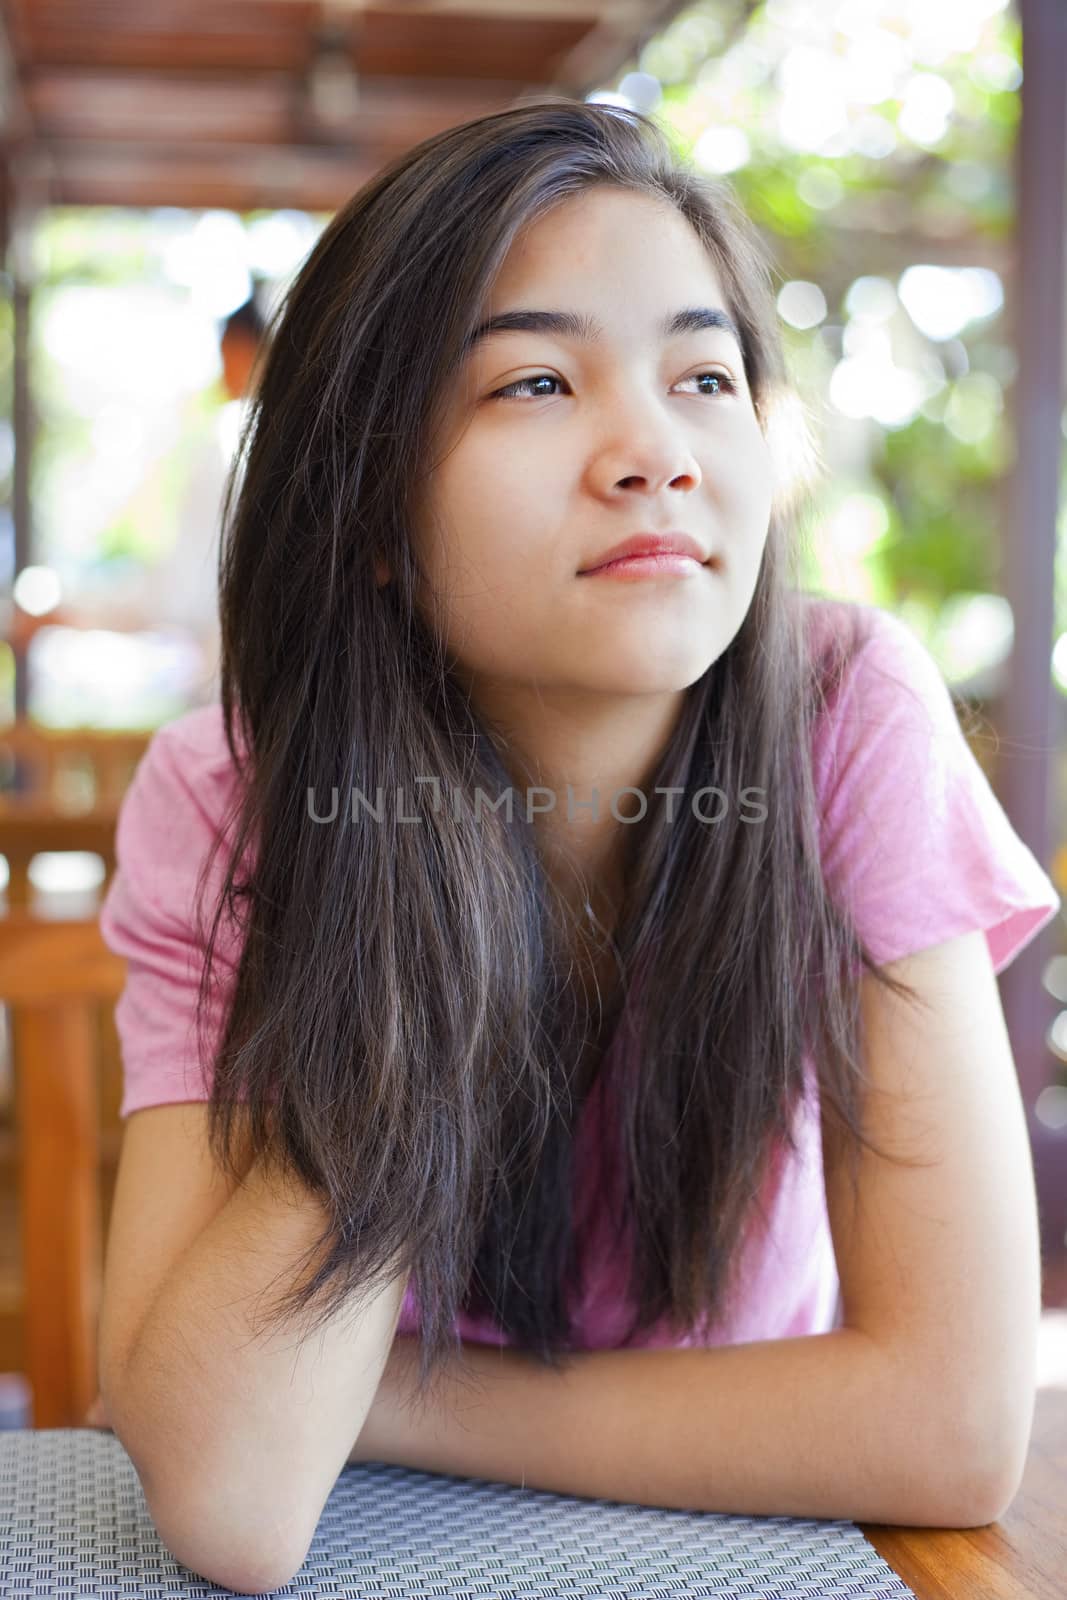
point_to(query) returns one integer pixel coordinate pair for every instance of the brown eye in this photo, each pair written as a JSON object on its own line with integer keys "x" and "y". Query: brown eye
{"x": 519, "y": 386}
{"x": 726, "y": 384}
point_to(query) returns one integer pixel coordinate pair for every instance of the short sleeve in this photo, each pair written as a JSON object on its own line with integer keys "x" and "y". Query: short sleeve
{"x": 169, "y": 816}
{"x": 914, "y": 842}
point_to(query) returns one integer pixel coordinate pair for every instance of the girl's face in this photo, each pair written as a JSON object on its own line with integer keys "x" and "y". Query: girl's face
{"x": 595, "y": 441}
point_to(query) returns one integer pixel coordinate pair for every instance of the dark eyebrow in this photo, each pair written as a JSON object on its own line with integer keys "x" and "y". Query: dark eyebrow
{"x": 574, "y": 325}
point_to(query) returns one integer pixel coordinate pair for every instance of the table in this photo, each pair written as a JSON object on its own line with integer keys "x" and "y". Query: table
{"x": 1024, "y": 1554}
{"x": 74, "y": 1522}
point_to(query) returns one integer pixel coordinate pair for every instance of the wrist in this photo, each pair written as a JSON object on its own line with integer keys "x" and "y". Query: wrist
{"x": 399, "y": 1425}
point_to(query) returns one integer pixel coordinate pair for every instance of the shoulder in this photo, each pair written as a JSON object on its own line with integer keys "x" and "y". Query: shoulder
{"x": 181, "y": 797}
{"x": 913, "y": 840}
{"x": 879, "y": 686}
{"x": 201, "y": 734}
{"x": 867, "y": 642}
{"x": 175, "y": 811}
{"x": 190, "y": 755}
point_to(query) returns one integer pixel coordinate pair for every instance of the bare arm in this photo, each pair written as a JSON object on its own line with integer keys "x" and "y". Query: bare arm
{"x": 823, "y": 1425}
{"x": 917, "y": 1411}
{"x": 238, "y": 1436}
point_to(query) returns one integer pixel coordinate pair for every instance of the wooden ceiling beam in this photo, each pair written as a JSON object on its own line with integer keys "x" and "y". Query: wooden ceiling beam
{"x": 205, "y": 102}
{"x": 474, "y": 40}
{"x": 227, "y": 176}
{"x": 260, "y": 109}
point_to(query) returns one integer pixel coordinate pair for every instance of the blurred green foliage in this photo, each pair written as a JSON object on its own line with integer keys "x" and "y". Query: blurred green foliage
{"x": 889, "y": 190}
{"x": 830, "y": 217}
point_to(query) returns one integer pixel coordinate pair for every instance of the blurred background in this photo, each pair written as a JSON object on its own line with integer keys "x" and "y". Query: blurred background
{"x": 166, "y": 170}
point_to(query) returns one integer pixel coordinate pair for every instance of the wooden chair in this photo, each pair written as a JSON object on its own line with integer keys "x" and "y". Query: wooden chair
{"x": 57, "y": 977}
{"x": 60, "y": 790}
{"x": 71, "y": 783}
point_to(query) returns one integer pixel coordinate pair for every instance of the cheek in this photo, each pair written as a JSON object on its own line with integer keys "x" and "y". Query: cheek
{"x": 747, "y": 455}
{"x": 482, "y": 544}
{"x": 483, "y": 602}
{"x": 744, "y": 479}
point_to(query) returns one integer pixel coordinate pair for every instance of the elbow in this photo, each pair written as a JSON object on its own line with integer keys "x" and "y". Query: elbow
{"x": 1006, "y": 1466}
{"x": 956, "y": 1500}
{"x": 978, "y": 1507}
{"x": 220, "y": 1524}
{"x": 219, "y": 1539}
{"x": 984, "y": 1483}
{"x": 259, "y": 1576}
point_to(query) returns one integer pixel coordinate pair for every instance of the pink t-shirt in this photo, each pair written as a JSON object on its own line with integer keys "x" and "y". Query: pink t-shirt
{"x": 913, "y": 841}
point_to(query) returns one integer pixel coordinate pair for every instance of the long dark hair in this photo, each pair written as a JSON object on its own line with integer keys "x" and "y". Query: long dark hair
{"x": 405, "y": 1033}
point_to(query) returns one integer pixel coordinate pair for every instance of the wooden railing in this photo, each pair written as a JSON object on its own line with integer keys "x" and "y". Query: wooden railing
{"x": 55, "y": 976}
{"x": 60, "y": 790}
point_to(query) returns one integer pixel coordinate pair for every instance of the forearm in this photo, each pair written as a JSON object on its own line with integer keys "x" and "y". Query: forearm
{"x": 819, "y": 1426}
{"x": 233, "y": 1427}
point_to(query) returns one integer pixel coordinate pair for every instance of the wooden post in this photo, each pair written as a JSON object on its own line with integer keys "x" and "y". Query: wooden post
{"x": 1033, "y": 713}
{"x": 59, "y": 1155}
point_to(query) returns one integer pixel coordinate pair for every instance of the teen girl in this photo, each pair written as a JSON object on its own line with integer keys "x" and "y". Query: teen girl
{"x": 589, "y": 960}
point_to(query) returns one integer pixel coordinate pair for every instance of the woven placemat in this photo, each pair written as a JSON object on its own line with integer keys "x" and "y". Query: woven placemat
{"x": 73, "y": 1521}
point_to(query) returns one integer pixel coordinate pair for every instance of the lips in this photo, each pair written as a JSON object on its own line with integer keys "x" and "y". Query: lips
{"x": 649, "y": 544}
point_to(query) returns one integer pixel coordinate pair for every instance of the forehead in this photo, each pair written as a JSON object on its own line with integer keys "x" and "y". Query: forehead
{"x": 614, "y": 233}
{"x": 604, "y": 263}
